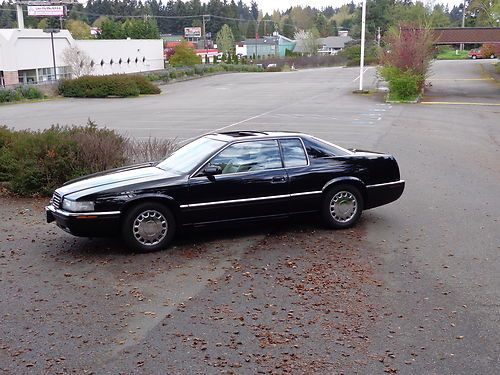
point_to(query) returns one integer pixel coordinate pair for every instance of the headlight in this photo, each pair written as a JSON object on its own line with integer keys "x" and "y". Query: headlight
{"x": 75, "y": 206}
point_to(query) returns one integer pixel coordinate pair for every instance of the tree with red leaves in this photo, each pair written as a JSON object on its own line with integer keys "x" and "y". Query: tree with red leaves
{"x": 406, "y": 57}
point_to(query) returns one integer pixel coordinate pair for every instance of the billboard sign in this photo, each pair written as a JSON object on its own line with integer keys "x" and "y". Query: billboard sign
{"x": 192, "y": 32}
{"x": 47, "y": 11}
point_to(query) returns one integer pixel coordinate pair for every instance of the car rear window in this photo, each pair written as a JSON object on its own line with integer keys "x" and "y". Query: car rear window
{"x": 293, "y": 153}
{"x": 317, "y": 149}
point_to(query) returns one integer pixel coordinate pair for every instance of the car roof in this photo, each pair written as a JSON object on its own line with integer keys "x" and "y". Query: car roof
{"x": 252, "y": 134}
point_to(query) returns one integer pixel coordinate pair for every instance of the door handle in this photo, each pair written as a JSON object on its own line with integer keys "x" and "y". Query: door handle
{"x": 279, "y": 180}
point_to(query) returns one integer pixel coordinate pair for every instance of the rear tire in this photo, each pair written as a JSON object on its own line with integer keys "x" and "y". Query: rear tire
{"x": 148, "y": 227}
{"x": 342, "y": 206}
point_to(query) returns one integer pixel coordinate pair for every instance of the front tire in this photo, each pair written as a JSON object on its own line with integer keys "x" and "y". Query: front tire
{"x": 148, "y": 227}
{"x": 342, "y": 206}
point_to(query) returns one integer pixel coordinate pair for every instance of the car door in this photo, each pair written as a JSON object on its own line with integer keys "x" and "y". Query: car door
{"x": 305, "y": 192}
{"x": 251, "y": 183}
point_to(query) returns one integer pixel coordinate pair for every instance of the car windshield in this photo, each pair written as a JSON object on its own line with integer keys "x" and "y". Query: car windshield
{"x": 191, "y": 155}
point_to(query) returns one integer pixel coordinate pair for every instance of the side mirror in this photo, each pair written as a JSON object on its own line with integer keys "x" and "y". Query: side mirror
{"x": 212, "y": 170}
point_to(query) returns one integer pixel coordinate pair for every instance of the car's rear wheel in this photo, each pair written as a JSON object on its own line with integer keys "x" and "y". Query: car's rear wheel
{"x": 342, "y": 206}
{"x": 148, "y": 226}
{"x": 474, "y": 57}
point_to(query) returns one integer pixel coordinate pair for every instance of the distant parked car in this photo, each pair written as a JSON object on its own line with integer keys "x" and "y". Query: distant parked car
{"x": 475, "y": 53}
{"x": 227, "y": 177}
{"x": 482, "y": 53}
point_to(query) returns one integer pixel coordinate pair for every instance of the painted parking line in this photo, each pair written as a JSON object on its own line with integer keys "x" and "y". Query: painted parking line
{"x": 463, "y": 103}
{"x": 461, "y": 79}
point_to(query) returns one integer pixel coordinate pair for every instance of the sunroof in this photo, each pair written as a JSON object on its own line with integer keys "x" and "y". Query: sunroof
{"x": 243, "y": 133}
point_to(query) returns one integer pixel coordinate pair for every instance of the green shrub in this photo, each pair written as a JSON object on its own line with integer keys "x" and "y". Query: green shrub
{"x": 20, "y": 93}
{"x": 29, "y": 92}
{"x": 103, "y": 86}
{"x": 37, "y": 162}
{"x": 99, "y": 87}
{"x": 403, "y": 85}
{"x": 34, "y": 161}
{"x": 144, "y": 84}
{"x": 153, "y": 77}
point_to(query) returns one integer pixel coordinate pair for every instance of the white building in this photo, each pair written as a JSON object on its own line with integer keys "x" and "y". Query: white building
{"x": 26, "y": 55}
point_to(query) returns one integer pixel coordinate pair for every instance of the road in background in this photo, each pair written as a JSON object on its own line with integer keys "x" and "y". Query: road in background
{"x": 413, "y": 289}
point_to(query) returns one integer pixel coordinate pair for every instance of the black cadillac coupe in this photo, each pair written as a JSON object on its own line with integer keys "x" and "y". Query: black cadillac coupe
{"x": 223, "y": 177}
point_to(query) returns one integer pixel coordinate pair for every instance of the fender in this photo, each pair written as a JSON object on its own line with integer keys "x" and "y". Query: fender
{"x": 171, "y": 202}
{"x": 347, "y": 179}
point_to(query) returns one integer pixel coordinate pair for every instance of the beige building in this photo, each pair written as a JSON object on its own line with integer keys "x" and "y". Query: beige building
{"x": 26, "y": 55}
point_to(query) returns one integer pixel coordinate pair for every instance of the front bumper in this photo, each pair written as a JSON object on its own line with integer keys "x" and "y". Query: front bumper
{"x": 85, "y": 224}
{"x": 380, "y": 194}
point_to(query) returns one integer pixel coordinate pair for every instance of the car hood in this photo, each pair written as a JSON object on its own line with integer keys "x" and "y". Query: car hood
{"x": 114, "y": 178}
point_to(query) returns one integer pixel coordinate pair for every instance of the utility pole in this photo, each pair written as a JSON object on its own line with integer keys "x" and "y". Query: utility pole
{"x": 362, "y": 59}
{"x": 205, "y": 35}
{"x": 463, "y": 25}
{"x": 378, "y": 36}
{"x": 20, "y": 16}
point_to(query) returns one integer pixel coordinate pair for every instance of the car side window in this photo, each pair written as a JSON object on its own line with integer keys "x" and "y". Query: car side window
{"x": 248, "y": 156}
{"x": 293, "y": 153}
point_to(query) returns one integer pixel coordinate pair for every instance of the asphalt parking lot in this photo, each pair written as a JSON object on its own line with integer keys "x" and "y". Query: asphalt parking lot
{"x": 413, "y": 289}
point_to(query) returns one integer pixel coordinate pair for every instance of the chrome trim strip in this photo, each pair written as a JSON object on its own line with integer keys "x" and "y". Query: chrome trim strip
{"x": 306, "y": 193}
{"x": 249, "y": 199}
{"x": 235, "y": 201}
{"x": 385, "y": 184}
{"x": 51, "y": 208}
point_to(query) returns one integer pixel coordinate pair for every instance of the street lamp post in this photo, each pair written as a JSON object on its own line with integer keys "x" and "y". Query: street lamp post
{"x": 463, "y": 25}
{"x": 52, "y": 32}
{"x": 362, "y": 57}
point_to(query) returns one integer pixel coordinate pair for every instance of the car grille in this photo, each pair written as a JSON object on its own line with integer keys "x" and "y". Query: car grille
{"x": 56, "y": 200}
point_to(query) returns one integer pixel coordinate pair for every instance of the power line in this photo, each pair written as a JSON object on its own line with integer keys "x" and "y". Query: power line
{"x": 118, "y": 16}
{"x": 133, "y": 16}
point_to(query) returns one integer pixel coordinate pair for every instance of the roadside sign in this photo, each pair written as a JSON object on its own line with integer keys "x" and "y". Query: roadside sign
{"x": 192, "y": 32}
{"x": 47, "y": 11}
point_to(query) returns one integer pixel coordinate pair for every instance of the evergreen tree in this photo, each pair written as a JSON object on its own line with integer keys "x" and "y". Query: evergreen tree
{"x": 334, "y": 29}
{"x": 225, "y": 39}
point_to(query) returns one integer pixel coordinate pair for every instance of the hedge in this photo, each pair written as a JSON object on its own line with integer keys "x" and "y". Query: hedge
{"x": 20, "y": 93}
{"x": 37, "y": 162}
{"x": 201, "y": 70}
{"x": 104, "y": 86}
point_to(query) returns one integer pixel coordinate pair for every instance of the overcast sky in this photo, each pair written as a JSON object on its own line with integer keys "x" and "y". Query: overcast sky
{"x": 270, "y": 5}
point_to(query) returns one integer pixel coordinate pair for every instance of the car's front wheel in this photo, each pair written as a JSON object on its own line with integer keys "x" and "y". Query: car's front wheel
{"x": 148, "y": 226}
{"x": 342, "y": 206}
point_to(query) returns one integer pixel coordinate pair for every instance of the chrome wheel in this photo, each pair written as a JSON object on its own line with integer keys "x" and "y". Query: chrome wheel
{"x": 343, "y": 206}
{"x": 150, "y": 227}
